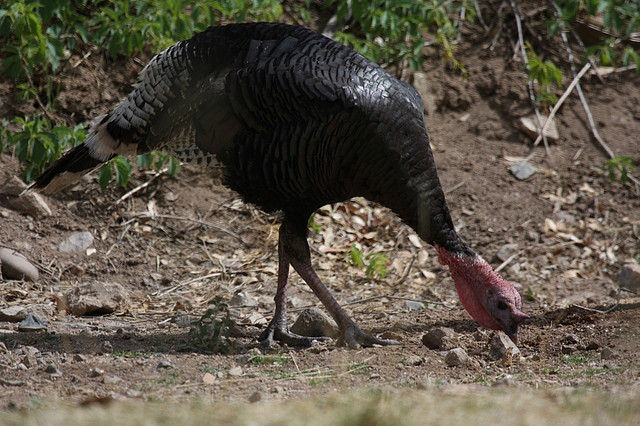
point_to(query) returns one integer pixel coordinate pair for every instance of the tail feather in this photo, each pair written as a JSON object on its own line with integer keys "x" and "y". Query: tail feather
{"x": 67, "y": 170}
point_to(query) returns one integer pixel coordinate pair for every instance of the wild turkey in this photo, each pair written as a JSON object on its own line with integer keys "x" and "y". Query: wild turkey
{"x": 297, "y": 121}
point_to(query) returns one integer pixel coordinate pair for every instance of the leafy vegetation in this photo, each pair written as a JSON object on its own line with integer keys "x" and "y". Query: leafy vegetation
{"x": 374, "y": 264}
{"x": 619, "y": 167}
{"x": 211, "y": 330}
{"x": 38, "y": 39}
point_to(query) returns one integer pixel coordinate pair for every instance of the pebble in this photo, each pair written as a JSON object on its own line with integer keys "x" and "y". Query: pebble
{"x": 313, "y": 322}
{"x": 522, "y": 170}
{"x": 32, "y": 322}
{"x": 53, "y": 370}
{"x": 414, "y": 360}
{"x": 440, "y": 338}
{"x": 629, "y": 277}
{"x": 96, "y": 298}
{"x": 96, "y": 372}
{"x": 164, "y": 364}
{"x": 105, "y": 347}
{"x": 607, "y": 353}
{"x": 412, "y": 305}
{"x": 456, "y": 357}
{"x": 15, "y": 266}
{"x": 76, "y": 242}
{"x": 235, "y": 371}
{"x": 30, "y": 203}
{"x": 500, "y": 344}
{"x": 255, "y": 397}
{"x": 506, "y": 251}
{"x": 13, "y": 313}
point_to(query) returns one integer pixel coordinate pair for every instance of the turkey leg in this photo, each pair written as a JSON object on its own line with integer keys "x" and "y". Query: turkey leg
{"x": 294, "y": 249}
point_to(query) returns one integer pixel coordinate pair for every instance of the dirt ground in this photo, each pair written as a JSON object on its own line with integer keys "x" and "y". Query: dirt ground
{"x": 574, "y": 228}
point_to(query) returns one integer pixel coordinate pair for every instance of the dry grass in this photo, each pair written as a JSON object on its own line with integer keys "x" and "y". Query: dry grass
{"x": 437, "y": 406}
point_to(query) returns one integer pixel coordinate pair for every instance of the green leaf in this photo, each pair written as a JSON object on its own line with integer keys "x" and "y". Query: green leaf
{"x": 104, "y": 175}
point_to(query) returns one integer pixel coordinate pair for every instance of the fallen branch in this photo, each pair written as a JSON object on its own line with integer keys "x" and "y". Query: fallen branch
{"x": 558, "y": 104}
{"x": 198, "y": 221}
{"x": 140, "y": 187}
{"x": 532, "y": 95}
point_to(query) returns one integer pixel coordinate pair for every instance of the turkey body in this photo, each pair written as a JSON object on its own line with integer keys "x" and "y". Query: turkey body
{"x": 296, "y": 121}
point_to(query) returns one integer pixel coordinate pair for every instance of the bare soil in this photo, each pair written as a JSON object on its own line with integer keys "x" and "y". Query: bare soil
{"x": 574, "y": 228}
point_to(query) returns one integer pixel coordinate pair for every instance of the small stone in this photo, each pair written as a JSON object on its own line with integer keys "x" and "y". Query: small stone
{"x": 313, "y": 322}
{"x": 499, "y": 345}
{"x": 105, "y": 347}
{"x": 208, "y": 378}
{"x": 13, "y": 313}
{"x": 413, "y": 360}
{"x": 607, "y": 353}
{"x": 3, "y": 348}
{"x": 15, "y": 266}
{"x": 235, "y": 371}
{"x": 456, "y": 357}
{"x": 243, "y": 299}
{"x": 530, "y": 126}
{"x": 164, "y": 364}
{"x": 30, "y": 203}
{"x": 111, "y": 380}
{"x": 440, "y": 338}
{"x": 568, "y": 349}
{"x": 570, "y": 339}
{"x": 255, "y": 397}
{"x": 53, "y": 370}
{"x": 506, "y": 251}
{"x": 32, "y": 322}
{"x": 591, "y": 346}
{"x": 522, "y": 170}
{"x": 96, "y": 372}
{"x": 413, "y": 306}
{"x": 96, "y": 298}
{"x": 629, "y": 277}
{"x": 76, "y": 242}
{"x": 277, "y": 389}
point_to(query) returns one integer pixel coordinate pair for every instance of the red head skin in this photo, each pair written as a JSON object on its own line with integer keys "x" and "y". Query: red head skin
{"x": 490, "y": 299}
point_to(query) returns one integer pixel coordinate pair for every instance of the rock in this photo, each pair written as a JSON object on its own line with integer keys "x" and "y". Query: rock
{"x": 30, "y": 203}
{"x": 13, "y": 313}
{"x": 607, "y": 353}
{"x": 456, "y": 357}
{"x": 105, "y": 347}
{"x": 243, "y": 299}
{"x": 412, "y": 305}
{"x": 15, "y": 266}
{"x": 506, "y": 251}
{"x": 440, "y": 338}
{"x": 97, "y": 298}
{"x": 164, "y": 364}
{"x": 413, "y": 360}
{"x": 313, "y": 322}
{"x": 235, "y": 371}
{"x": 208, "y": 378}
{"x": 529, "y": 125}
{"x": 500, "y": 344}
{"x": 522, "y": 170}
{"x": 53, "y": 370}
{"x": 76, "y": 242}
{"x": 255, "y": 397}
{"x": 32, "y": 322}
{"x": 629, "y": 277}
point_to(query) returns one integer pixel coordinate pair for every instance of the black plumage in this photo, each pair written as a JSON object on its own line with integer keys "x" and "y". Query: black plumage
{"x": 296, "y": 121}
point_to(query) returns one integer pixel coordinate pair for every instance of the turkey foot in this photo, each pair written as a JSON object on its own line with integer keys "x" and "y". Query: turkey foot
{"x": 278, "y": 330}
{"x": 353, "y": 337}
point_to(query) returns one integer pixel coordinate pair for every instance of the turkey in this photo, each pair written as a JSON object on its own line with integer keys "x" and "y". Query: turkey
{"x": 295, "y": 121}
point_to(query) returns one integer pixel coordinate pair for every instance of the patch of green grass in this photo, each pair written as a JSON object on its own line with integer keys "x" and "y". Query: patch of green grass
{"x": 576, "y": 359}
{"x": 129, "y": 354}
{"x": 359, "y": 367}
{"x": 278, "y": 360}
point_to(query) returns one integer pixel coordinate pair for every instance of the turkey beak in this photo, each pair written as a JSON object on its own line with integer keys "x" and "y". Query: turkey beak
{"x": 511, "y": 329}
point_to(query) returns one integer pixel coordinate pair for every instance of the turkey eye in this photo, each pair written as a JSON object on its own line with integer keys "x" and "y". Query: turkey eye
{"x": 502, "y": 306}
